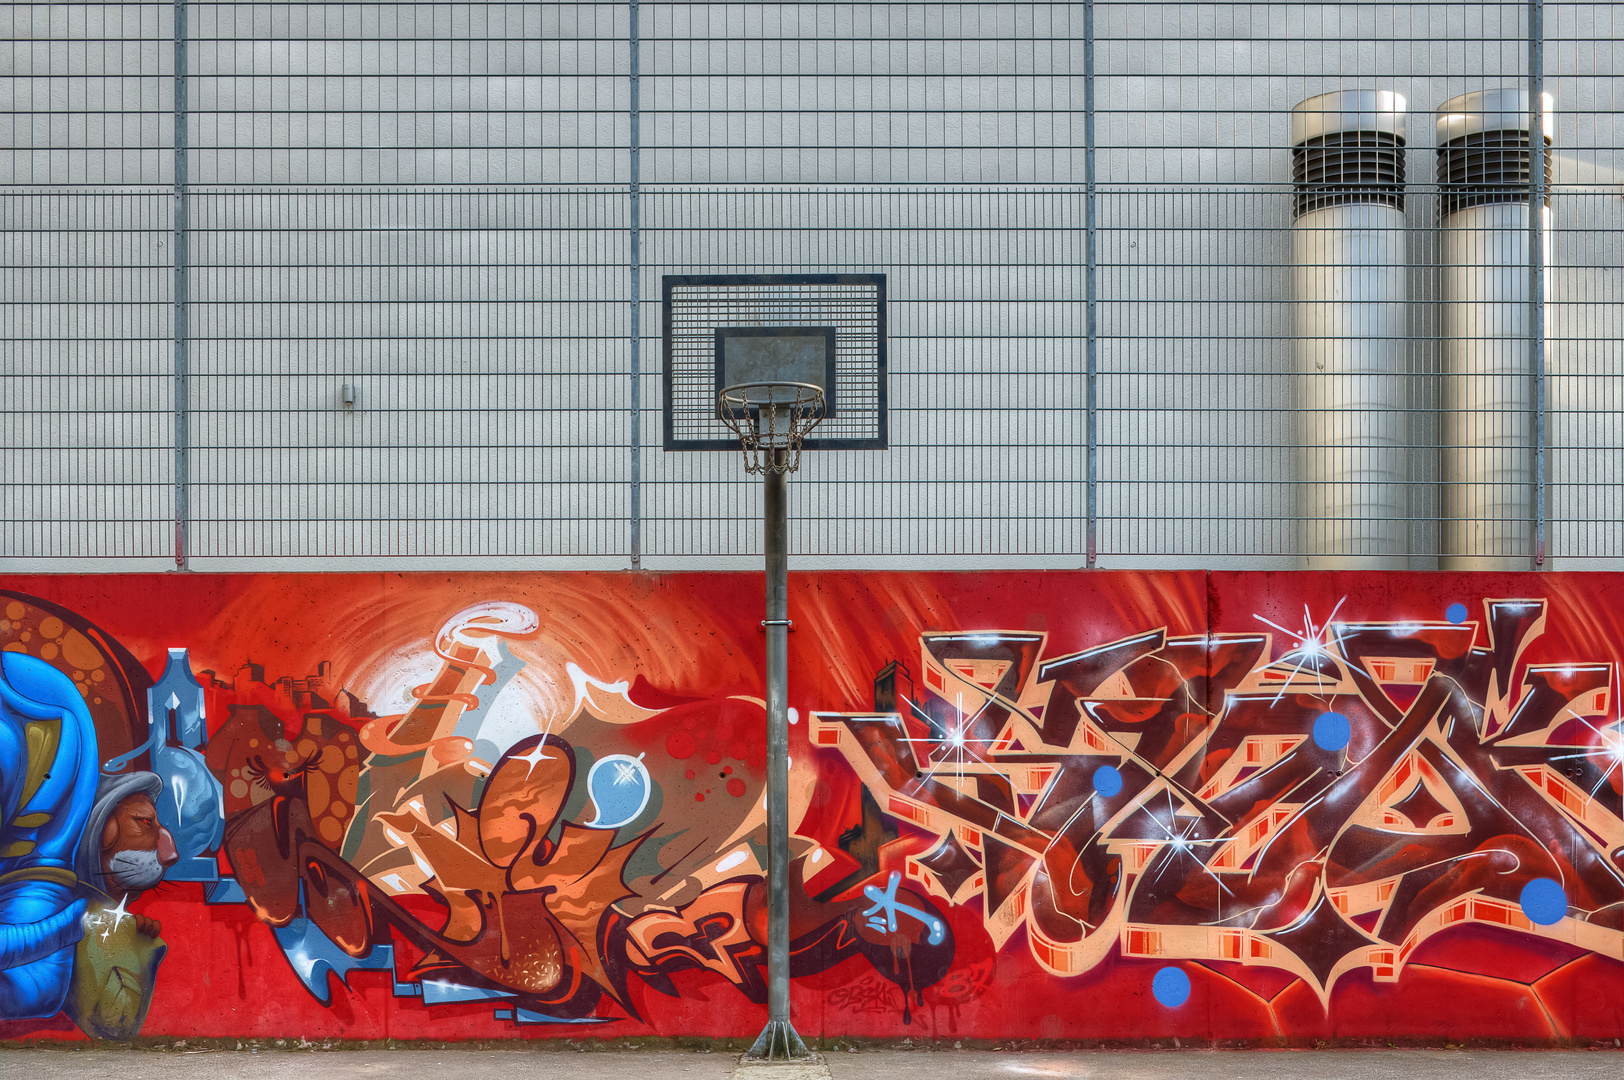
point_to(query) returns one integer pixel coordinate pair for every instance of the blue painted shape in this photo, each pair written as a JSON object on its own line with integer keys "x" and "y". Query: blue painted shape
{"x": 882, "y": 917}
{"x": 1456, "y": 613}
{"x": 41, "y": 920}
{"x": 527, "y": 1016}
{"x": 313, "y": 956}
{"x": 228, "y": 890}
{"x": 1544, "y": 901}
{"x": 1171, "y": 987}
{"x": 192, "y": 803}
{"x": 191, "y": 806}
{"x": 620, "y": 787}
{"x": 1107, "y": 780}
{"x": 1332, "y": 731}
{"x": 441, "y": 992}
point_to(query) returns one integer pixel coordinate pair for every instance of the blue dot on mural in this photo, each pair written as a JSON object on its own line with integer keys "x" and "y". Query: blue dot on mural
{"x": 1107, "y": 780}
{"x": 1171, "y": 987}
{"x": 1456, "y": 613}
{"x": 1544, "y": 902}
{"x": 620, "y": 787}
{"x": 1332, "y": 731}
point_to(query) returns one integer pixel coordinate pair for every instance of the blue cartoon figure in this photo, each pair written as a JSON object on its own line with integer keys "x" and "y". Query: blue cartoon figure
{"x": 48, "y": 774}
{"x": 76, "y": 845}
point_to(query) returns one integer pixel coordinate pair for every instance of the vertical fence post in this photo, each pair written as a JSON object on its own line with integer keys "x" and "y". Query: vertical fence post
{"x": 1536, "y": 259}
{"x": 1090, "y": 178}
{"x": 182, "y": 328}
{"x": 635, "y": 260}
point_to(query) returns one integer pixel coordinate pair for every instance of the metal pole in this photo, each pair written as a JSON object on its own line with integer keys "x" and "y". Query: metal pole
{"x": 778, "y": 1040}
{"x": 1536, "y": 259}
{"x": 635, "y": 333}
{"x": 1089, "y": 243}
{"x": 182, "y": 258}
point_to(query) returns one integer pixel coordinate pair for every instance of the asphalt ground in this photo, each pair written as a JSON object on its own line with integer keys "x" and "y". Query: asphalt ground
{"x": 291, "y": 1064}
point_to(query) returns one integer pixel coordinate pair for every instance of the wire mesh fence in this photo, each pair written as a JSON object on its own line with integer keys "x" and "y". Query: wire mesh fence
{"x": 479, "y": 337}
{"x": 342, "y": 284}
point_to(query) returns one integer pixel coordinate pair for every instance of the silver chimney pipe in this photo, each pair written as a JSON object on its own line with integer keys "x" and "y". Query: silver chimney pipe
{"x": 1488, "y": 469}
{"x": 1348, "y": 246}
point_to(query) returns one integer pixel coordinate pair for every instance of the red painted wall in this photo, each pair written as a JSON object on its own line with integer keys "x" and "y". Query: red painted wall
{"x": 1027, "y": 805}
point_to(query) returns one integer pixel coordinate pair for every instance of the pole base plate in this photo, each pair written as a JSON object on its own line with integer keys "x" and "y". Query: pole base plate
{"x": 778, "y": 1042}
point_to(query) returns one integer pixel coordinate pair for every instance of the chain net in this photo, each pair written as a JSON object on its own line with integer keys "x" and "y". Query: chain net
{"x": 771, "y": 419}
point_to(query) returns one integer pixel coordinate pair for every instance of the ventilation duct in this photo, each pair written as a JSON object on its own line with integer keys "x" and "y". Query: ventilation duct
{"x": 1349, "y": 262}
{"x": 1484, "y": 171}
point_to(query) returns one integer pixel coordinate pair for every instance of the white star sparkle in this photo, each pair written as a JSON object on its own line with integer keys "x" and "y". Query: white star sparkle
{"x": 534, "y": 757}
{"x": 1312, "y": 644}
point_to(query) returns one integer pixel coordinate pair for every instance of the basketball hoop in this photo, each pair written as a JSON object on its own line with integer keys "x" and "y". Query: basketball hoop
{"x": 765, "y": 359}
{"x": 771, "y": 419}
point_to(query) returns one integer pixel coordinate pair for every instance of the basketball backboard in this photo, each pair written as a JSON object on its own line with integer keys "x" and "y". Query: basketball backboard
{"x": 825, "y": 330}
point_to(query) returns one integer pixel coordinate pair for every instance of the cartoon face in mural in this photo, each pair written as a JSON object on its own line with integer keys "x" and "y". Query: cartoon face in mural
{"x": 123, "y": 852}
{"x": 497, "y": 815}
{"x": 134, "y": 849}
{"x": 80, "y": 842}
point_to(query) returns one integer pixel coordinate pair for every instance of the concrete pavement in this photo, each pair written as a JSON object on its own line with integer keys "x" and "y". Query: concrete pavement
{"x": 555, "y": 1064}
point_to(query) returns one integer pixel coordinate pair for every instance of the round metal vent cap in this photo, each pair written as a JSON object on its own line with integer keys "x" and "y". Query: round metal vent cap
{"x": 1504, "y": 108}
{"x": 1349, "y": 110}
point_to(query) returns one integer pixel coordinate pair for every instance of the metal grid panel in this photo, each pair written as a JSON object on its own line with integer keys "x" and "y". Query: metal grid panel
{"x": 86, "y": 380}
{"x": 1201, "y": 436}
{"x": 1202, "y": 430}
{"x": 1584, "y": 59}
{"x": 939, "y": 144}
{"x": 464, "y": 210}
{"x": 985, "y": 357}
{"x": 399, "y": 198}
{"x": 86, "y": 92}
{"x": 483, "y": 333}
{"x": 408, "y": 93}
{"x": 86, "y": 283}
{"x": 862, "y": 93}
{"x": 694, "y": 309}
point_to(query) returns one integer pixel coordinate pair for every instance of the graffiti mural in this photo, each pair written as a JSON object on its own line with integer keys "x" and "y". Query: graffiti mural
{"x": 1215, "y": 798}
{"x": 1051, "y": 806}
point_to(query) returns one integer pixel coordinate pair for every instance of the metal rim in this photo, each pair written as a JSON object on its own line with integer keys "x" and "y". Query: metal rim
{"x": 734, "y": 392}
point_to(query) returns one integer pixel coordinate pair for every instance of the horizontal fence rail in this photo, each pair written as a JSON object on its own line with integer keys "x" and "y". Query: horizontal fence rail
{"x": 331, "y": 285}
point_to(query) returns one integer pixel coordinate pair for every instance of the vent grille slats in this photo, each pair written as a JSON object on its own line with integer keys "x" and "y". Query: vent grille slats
{"x": 1487, "y": 167}
{"x": 1345, "y": 167}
